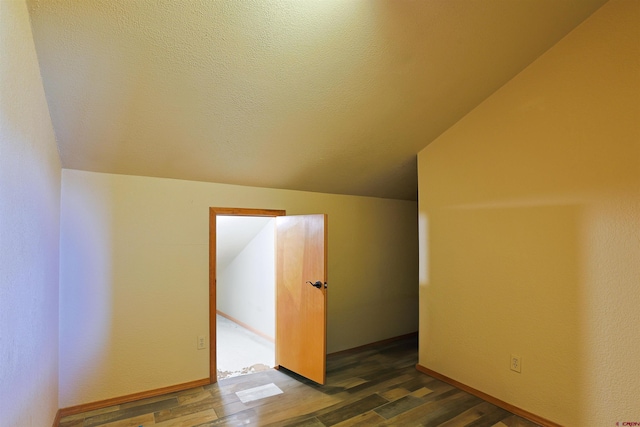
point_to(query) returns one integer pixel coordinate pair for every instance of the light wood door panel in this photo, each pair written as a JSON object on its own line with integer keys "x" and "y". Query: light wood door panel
{"x": 301, "y": 309}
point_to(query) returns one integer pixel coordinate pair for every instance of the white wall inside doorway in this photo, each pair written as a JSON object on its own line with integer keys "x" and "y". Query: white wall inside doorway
{"x": 246, "y": 271}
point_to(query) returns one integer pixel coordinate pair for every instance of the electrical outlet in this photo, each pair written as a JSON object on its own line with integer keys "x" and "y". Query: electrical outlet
{"x": 516, "y": 363}
{"x": 202, "y": 342}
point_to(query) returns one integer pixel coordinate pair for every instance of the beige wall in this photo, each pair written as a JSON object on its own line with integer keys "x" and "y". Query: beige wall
{"x": 529, "y": 232}
{"x": 134, "y": 276}
{"x": 29, "y": 231}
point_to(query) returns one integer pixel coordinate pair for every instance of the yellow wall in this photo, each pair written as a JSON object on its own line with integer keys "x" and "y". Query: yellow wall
{"x": 529, "y": 212}
{"x": 29, "y": 231}
{"x": 529, "y": 232}
{"x": 134, "y": 276}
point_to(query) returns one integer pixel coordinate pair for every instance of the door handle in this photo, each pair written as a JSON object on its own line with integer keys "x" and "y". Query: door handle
{"x": 317, "y": 284}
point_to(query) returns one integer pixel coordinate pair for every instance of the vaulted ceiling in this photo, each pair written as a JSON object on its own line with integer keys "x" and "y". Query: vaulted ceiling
{"x": 335, "y": 96}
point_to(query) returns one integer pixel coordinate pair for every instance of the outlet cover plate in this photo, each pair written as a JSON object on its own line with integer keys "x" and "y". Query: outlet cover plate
{"x": 516, "y": 363}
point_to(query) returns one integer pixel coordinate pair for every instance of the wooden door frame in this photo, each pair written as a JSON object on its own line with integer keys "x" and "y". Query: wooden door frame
{"x": 213, "y": 213}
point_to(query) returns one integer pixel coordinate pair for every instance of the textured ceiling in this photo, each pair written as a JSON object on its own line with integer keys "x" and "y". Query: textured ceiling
{"x": 335, "y": 96}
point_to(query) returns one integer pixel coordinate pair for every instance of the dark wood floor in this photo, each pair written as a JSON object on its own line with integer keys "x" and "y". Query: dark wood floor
{"x": 376, "y": 386}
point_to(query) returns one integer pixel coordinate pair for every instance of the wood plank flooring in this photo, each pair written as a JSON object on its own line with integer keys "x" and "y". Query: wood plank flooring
{"x": 377, "y": 386}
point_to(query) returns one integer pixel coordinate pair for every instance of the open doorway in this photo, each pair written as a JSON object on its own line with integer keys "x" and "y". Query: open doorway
{"x": 245, "y": 295}
{"x": 242, "y": 291}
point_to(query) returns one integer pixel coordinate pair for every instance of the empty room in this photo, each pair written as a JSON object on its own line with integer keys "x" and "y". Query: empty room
{"x": 448, "y": 191}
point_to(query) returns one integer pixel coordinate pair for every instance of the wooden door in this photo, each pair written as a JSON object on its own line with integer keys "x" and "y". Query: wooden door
{"x": 301, "y": 308}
